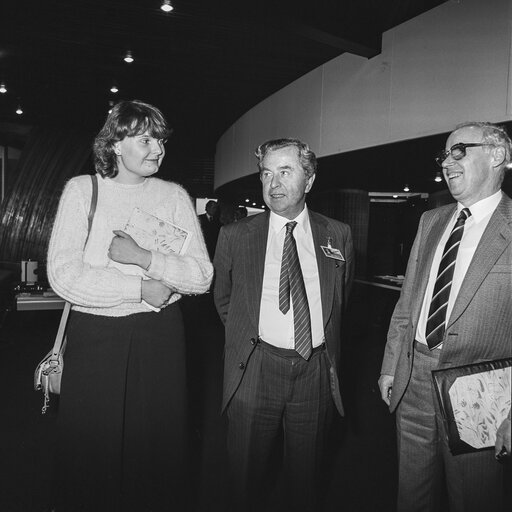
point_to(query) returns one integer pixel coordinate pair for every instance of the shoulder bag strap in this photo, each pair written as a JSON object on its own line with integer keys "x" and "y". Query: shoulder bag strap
{"x": 60, "y": 333}
{"x": 92, "y": 209}
{"x": 67, "y": 306}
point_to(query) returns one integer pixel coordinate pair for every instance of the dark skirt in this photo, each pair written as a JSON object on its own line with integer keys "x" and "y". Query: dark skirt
{"x": 122, "y": 414}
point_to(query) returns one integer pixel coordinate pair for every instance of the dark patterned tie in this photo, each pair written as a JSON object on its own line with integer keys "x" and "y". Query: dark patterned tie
{"x": 437, "y": 312}
{"x": 291, "y": 283}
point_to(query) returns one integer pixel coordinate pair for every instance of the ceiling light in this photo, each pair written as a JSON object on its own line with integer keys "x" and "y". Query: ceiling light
{"x": 247, "y": 200}
{"x": 114, "y": 89}
{"x": 395, "y": 196}
{"x": 129, "y": 57}
{"x": 406, "y": 188}
{"x": 3, "y": 89}
{"x": 19, "y": 110}
{"x": 166, "y": 6}
{"x": 438, "y": 177}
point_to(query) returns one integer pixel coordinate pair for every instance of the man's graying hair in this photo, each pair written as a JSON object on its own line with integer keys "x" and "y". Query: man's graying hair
{"x": 306, "y": 157}
{"x": 492, "y": 134}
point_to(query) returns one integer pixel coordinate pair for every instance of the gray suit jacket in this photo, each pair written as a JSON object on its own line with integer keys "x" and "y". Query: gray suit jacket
{"x": 239, "y": 264}
{"x": 480, "y": 324}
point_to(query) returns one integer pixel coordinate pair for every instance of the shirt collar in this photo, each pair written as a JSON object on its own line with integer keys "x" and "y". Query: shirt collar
{"x": 277, "y": 223}
{"x": 484, "y": 207}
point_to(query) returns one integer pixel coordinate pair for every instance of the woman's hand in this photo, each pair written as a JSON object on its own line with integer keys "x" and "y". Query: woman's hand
{"x": 124, "y": 249}
{"x": 155, "y": 292}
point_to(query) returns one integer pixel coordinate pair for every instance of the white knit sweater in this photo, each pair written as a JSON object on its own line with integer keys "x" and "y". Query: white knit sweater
{"x": 86, "y": 279}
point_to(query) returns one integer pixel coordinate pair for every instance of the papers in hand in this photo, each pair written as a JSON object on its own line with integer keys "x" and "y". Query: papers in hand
{"x": 153, "y": 234}
{"x": 474, "y": 400}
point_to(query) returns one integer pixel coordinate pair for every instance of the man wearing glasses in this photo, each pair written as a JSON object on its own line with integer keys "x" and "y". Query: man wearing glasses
{"x": 455, "y": 308}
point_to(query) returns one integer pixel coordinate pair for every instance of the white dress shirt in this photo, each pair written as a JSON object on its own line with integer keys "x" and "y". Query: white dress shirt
{"x": 474, "y": 228}
{"x": 275, "y": 327}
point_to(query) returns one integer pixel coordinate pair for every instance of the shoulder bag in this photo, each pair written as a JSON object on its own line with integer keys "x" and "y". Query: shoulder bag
{"x": 48, "y": 373}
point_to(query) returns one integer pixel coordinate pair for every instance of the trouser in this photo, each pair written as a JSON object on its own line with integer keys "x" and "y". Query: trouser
{"x": 473, "y": 481}
{"x": 281, "y": 396}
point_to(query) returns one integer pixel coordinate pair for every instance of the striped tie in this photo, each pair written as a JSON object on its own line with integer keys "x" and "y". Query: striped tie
{"x": 437, "y": 312}
{"x": 292, "y": 282}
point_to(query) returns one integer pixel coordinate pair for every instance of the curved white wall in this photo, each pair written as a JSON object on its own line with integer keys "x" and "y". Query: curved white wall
{"x": 449, "y": 65}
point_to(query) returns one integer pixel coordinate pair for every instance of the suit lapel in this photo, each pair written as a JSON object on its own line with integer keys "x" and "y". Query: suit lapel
{"x": 434, "y": 233}
{"x": 496, "y": 237}
{"x": 326, "y": 266}
{"x": 255, "y": 247}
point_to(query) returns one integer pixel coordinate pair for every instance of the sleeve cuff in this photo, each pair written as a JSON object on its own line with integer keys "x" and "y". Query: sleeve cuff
{"x": 157, "y": 266}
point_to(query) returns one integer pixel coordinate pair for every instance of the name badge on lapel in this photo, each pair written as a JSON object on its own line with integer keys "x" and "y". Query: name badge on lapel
{"x": 332, "y": 252}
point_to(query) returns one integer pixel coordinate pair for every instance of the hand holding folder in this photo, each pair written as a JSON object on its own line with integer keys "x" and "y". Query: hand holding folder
{"x": 474, "y": 400}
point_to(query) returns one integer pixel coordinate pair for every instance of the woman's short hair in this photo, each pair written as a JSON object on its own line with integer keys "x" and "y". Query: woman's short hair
{"x": 127, "y": 119}
{"x": 306, "y": 157}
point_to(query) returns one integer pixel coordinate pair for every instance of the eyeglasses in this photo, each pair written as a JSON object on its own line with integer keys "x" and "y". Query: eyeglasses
{"x": 457, "y": 151}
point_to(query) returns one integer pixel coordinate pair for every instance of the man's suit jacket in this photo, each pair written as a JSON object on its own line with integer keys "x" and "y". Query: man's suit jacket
{"x": 210, "y": 230}
{"x": 239, "y": 264}
{"x": 480, "y": 324}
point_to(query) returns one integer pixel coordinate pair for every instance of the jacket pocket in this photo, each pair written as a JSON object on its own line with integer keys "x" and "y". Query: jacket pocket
{"x": 501, "y": 269}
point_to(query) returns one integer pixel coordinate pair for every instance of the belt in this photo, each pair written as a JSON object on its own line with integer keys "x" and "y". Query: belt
{"x": 286, "y": 352}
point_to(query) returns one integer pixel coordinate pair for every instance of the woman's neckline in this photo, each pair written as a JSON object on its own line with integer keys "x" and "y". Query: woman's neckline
{"x": 115, "y": 183}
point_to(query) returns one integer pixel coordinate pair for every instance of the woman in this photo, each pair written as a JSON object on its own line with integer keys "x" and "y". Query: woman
{"x": 122, "y": 409}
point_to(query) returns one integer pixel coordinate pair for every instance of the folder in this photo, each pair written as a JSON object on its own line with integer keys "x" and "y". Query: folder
{"x": 474, "y": 400}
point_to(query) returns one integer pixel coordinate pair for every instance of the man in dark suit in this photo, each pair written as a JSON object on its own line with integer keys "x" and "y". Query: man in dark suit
{"x": 455, "y": 308}
{"x": 281, "y": 299}
{"x": 210, "y": 226}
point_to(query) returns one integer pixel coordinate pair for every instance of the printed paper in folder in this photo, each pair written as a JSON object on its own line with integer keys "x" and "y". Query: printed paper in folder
{"x": 153, "y": 234}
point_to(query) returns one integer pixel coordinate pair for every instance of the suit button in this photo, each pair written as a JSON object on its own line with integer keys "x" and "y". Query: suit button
{"x": 253, "y": 341}
{"x": 241, "y": 365}
{"x": 408, "y": 355}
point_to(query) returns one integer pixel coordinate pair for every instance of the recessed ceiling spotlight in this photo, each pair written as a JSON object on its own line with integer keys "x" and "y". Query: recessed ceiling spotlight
{"x": 3, "y": 89}
{"x": 438, "y": 177}
{"x": 114, "y": 88}
{"x": 406, "y": 188}
{"x": 254, "y": 204}
{"x": 395, "y": 196}
{"x": 19, "y": 110}
{"x": 166, "y": 6}
{"x": 247, "y": 200}
{"x": 129, "y": 57}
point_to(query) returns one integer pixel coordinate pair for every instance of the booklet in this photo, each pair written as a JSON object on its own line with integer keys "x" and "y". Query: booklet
{"x": 474, "y": 400}
{"x": 153, "y": 234}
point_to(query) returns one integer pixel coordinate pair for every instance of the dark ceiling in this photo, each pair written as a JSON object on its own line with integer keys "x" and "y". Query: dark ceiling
{"x": 204, "y": 64}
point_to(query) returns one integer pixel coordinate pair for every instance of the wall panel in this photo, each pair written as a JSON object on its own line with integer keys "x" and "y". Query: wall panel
{"x": 446, "y": 66}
